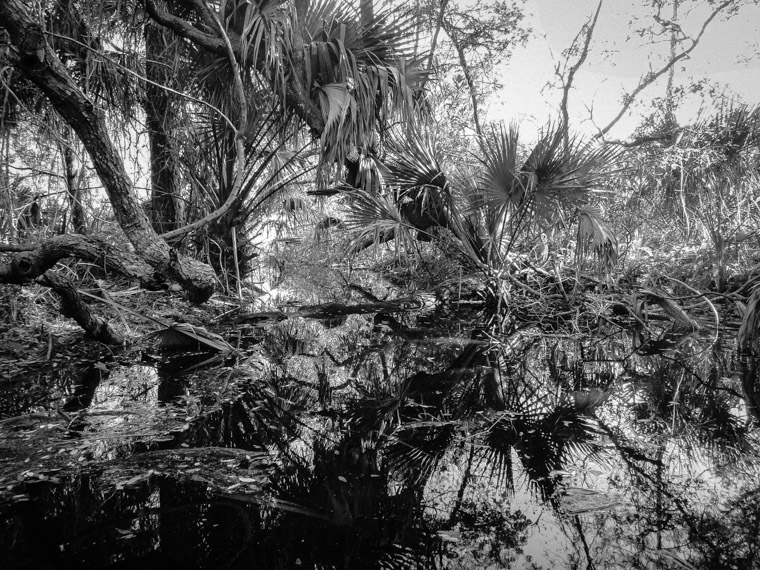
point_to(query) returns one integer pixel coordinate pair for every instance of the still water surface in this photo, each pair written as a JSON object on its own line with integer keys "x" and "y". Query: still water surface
{"x": 364, "y": 445}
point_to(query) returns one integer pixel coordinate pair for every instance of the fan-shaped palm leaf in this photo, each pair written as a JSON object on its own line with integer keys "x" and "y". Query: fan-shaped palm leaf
{"x": 415, "y": 449}
{"x": 375, "y": 218}
{"x": 503, "y": 188}
{"x": 551, "y": 180}
{"x": 415, "y": 161}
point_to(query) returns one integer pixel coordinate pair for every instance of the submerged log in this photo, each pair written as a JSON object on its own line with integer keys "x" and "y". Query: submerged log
{"x": 330, "y": 310}
{"x": 333, "y": 310}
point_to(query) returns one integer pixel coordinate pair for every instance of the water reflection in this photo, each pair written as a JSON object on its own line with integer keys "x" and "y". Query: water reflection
{"x": 355, "y": 447}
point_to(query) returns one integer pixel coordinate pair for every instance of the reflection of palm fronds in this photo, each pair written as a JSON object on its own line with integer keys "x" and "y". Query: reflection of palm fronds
{"x": 291, "y": 337}
{"x": 416, "y": 448}
{"x": 342, "y": 509}
{"x": 500, "y": 440}
{"x": 544, "y": 445}
{"x": 274, "y": 408}
{"x": 721, "y": 430}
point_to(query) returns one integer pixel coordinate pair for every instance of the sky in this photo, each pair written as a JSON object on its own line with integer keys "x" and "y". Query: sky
{"x": 728, "y": 55}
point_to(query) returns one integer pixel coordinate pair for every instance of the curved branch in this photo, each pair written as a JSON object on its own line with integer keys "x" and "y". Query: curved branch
{"x": 34, "y": 260}
{"x": 74, "y": 307}
{"x": 239, "y": 148}
{"x": 567, "y": 84}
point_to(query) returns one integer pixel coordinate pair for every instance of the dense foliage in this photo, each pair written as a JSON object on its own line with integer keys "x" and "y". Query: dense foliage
{"x": 419, "y": 312}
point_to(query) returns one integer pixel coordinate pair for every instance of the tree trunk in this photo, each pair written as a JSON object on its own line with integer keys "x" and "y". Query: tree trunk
{"x": 40, "y": 64}
{"x": 160, "y": 118}
{"x": 73, "y": 186}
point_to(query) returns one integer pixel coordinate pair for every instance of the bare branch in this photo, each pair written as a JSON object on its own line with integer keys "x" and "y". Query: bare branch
{"x": 434, "y": 42}
{"x": 651, "y": 77}
{"x": 567, "y": 83}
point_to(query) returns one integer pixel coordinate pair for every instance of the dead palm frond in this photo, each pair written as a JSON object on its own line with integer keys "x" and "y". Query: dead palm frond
{"x": 748, "y": 338}
{"x": 174, "y": 336}
{"x": 184, "y": 336}
{"x": 596, "y": 237}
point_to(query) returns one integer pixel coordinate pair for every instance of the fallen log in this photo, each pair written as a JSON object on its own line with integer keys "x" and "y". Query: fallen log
{"x": 36, "y": 265}
{"x": 330, "y": 310}
{"x": 26, "y": 266}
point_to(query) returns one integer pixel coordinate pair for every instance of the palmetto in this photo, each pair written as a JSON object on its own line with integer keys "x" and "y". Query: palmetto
{"x": 491, "y": 207}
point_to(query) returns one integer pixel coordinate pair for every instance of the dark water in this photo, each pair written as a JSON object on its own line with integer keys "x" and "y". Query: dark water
{"x": 365, "y": 445}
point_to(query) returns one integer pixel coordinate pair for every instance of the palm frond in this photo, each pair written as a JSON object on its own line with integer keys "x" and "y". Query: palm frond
{"x": 415, "y": 449}
{"x": 500, "y": 440}
{"x": 565, "y": 179}
{"x": 415, "y": 161}
{"x": 375, "y": 218}
{"x": 503, "y": 188}
{"x": 370, "y": 61}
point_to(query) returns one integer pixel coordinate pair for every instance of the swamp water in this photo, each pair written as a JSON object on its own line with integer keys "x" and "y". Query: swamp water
{"x": 371, "y": 445}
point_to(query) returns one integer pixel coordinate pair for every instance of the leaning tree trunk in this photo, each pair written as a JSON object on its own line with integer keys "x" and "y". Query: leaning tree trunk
{"x": 33, "y": 57}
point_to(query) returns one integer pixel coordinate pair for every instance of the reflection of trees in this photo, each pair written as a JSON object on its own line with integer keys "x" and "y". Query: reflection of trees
{"x": 340, "y": 508}
{"x": 692, "y": 408}
{"x": 729, "y": 538}
{"x": 676, "y": 518}
{"x": 679, "y": 444}
{"x": 360, "y": 435}
{"x": 164, "y": 522}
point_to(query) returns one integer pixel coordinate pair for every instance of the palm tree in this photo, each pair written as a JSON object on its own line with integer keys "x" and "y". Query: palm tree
{"x": 342, "y": 75}
{"x": 342, "y": 69}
